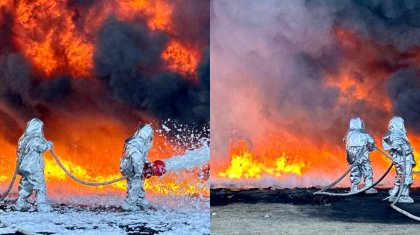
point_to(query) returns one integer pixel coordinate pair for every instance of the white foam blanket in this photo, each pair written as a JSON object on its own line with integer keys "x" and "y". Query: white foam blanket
{"x": 77, "y": 219}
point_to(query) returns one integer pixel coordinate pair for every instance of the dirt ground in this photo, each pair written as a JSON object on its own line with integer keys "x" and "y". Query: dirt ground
{"x": 245, "y": 214}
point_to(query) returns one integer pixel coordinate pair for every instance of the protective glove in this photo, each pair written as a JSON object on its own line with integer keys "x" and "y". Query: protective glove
{"x": 157, "y": 168}
{"x": 371, "y": 147}
{"x": 49, "y": 145}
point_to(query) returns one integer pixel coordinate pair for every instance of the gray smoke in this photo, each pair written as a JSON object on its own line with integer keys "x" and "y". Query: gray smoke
{"x": 404, "y": 90}
{"x": 389, "y": 21}
{"x": 196, "y": 15}
{"x": 270, "y": 61}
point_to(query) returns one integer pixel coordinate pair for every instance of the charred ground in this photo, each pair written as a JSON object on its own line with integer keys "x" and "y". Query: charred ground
{"x": 297, "y": 211}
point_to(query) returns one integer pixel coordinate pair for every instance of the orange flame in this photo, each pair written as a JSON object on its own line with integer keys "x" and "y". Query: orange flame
{"x": 47, "y": 36}
{"x": 159, "y": 12}
{"x": 91, "y": 151}
{"x": 57, "y": 40}
{"x": 363, "y": 71}
{"x": 243, "y": 164}
{"x": 180, "y": 58}
{"x": 47, "y": 33}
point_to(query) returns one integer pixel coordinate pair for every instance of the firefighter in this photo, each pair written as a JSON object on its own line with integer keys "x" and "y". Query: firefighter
{"x": 132, "y": 163}
{"x": 358, "y": 145}
{"x": 31, "y": 147}
{"x": 396, "y": 142}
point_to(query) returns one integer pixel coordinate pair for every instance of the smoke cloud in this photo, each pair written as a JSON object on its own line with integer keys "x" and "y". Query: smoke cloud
{"x": 300, "y": 70}
{"x": 404, "y": 90}
{"x": 128, "y": 70}
{"x": 128, "y": 60}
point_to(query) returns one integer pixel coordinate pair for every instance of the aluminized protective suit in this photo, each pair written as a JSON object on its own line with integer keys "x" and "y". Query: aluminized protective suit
{"x": 31, "y": 147}
{"x": 397, "y": 143}
{"x": 132, "y": 162}
{"x": 358, "y": 145}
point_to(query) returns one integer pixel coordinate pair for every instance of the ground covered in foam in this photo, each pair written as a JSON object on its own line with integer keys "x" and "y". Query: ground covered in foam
{"x": 107, "y": 219}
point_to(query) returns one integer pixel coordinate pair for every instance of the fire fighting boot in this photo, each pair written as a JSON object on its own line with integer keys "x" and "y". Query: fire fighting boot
{"x": 21, "y": 202}
{"x": 143, "y": 204}
{"x": 353, "y": 188}
{"x": 43, "y": 207}
{"x": 20, "y": 205}
{"x": 405, "y": 197}
{"x": 129, "y": 207}
{"x": 41, "y": 202}
{"x": 372, "y": 190}
{"x": 394, "y": 191}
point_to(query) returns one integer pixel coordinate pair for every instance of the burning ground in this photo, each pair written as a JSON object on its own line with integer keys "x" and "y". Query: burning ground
{"x": 289, "y": 76}
{"x": 92, "y": 71}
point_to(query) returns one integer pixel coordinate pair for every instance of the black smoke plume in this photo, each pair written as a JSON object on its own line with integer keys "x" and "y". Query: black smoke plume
{"x": 128, "y": 60}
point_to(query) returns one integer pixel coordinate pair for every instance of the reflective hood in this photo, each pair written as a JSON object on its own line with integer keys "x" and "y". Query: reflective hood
{"x": 356, "y": 124}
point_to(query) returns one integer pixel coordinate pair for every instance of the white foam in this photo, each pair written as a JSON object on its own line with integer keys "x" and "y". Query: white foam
{"x": 190, "y": 160}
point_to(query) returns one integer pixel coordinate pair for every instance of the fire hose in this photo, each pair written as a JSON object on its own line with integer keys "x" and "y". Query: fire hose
{"x": 155, "y": 169}
{"x": 360, "y": 190}
{"x": 89, "y": 183}
{"x": 75, "y": 178}
{"x": 321, "y": 192}
{"x": 402, "y": 181}
{"x": 9, "y": 188}
{"x": 342, "y": 176}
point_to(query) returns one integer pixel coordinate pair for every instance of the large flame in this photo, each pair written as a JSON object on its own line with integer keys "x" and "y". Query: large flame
{"x": 243, "y": 164}
{"x": 58, "y": 38}
{"x": 91, "y": 151}
{"x": 49, "y": 34}
{"x": 293, "y": 150}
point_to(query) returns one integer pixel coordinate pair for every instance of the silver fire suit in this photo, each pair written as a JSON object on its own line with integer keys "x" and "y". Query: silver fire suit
{"x": 31, "y": 147}
{"x": 133, "y": 159}
{"x": 358, "y": 145}
{"x": 397, "y": 143}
